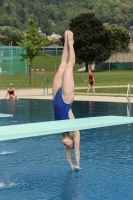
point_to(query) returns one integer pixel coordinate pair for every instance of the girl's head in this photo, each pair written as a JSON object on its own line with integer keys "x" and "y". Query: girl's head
{"x": 10, "y": 85}
{"x": 67, "y": 141}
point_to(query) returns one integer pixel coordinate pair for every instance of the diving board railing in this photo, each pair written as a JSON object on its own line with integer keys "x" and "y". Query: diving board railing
{"x": 53, "y": 127}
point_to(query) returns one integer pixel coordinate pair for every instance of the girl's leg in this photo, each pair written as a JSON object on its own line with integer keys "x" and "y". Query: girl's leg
{"x": 57, "y": 82}
{"x": 93, "y": 89}
{"x": 89, "y": 87}
{"x": 68, "y": 81}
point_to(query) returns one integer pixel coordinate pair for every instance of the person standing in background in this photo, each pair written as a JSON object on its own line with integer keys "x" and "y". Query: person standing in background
{"x": 91, "y": 82}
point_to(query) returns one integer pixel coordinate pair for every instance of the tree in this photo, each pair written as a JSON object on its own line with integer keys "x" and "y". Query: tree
{"x": 32, "y": 43}
{"x": 14, "y": 39}
{"x": 1, "y": 2}
{"x": 120, "y": 37}
{"x": 92, "y": 40}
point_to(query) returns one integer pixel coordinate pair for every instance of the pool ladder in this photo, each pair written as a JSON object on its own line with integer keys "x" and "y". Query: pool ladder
{"x": 45, "y": 90}
{"x": 128, "y": 99}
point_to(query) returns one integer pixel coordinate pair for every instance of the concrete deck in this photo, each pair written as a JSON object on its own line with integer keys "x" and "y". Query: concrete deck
{"x": 41, "y": 94}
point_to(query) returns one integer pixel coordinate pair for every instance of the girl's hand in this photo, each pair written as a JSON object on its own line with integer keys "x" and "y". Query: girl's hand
{"x": 72, "y": 167}
{"x": 77, "y": 168}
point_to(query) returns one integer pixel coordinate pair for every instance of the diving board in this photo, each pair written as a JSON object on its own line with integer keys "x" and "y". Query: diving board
{"x": 5, "y": 115}
{"x": 51, "y": 127}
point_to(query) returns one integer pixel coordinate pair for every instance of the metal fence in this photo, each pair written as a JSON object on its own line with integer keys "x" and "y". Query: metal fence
{"x": 115, "y": 66}
{"x": 118, "y": 61}
{"x": 10, "y": 60}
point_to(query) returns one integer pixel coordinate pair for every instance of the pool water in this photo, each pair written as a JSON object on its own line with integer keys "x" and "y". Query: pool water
{"x": 36, "y": 168}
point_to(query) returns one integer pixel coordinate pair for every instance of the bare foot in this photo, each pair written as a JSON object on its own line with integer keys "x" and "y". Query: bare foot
{"x": 66, "y": 35}
{"x": 77, "y": 168}
{"x": 70, "y": 37}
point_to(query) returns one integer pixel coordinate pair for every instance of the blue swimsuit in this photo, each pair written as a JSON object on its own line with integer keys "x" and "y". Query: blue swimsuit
{"x": 61, "y": 108}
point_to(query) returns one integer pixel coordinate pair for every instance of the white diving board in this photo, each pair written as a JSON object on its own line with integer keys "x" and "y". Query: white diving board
{"x": 5, "y": 115}
{"x": 52, "y": 127}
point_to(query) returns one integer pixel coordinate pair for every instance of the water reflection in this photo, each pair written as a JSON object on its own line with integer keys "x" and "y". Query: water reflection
{"x": 129, "y": 109}
{"x": 72, "y": 186}
{"x": 11, "y": 106}
{"x": 91, "y": 107}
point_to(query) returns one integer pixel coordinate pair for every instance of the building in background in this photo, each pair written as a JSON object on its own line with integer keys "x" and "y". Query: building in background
{"x": 53, "y": 50}
{"x": 54, "y": 36}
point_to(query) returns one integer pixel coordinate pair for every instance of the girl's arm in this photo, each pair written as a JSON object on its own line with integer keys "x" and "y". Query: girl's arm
{"x": 68, "y": 155}
{"x": 14, "y": 91}
{"x": 86, "y": 80}
{"x": 93, "y": 80}
{"x": 76, "y": 138}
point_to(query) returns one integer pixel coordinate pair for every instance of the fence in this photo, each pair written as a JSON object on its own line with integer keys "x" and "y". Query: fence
{"x": 10, "y": 60}
{"x": 117, "y": 61}
{"x": 115, "y": 66}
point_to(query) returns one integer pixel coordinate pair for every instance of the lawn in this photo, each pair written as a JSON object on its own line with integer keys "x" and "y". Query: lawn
{"x": 119, "y": 90}
{"x": 50, "y": 64}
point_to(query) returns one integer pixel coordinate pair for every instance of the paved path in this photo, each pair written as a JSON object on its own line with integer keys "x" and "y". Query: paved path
{"x": 41, "y": 94}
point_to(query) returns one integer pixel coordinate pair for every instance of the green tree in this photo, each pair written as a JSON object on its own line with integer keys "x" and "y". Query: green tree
{"x": 1, "y": 2}
{"x": 120, "y": 37}
{"x": 92, "y": 40}
{"x": 13, "y": 39}
{"x": 32, "y": 43}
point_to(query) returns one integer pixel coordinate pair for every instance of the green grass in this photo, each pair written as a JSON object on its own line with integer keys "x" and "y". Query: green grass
{"x": 21, "y": 81}
{"x": 122, "y": 90}
{"x": 119, "y": 77}
{"x": 50, "y": 64}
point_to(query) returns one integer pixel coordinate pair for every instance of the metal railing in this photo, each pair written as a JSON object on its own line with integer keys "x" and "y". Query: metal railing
{"x": 45, "y": 90}
{"x": 128, "y": 92}
{"x": 128, "y": 99}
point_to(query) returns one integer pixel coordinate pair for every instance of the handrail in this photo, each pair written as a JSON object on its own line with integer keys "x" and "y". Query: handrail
{"x": 45, "y": 90}
{"x": 128, "y": 98}
{"x": 128, "y": 93}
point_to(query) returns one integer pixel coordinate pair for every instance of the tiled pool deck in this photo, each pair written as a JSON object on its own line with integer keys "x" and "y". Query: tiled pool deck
{"x": 41, "y": 94}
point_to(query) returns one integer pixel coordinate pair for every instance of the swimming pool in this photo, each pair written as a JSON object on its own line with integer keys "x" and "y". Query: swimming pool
{"x": 36, "y": 168}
